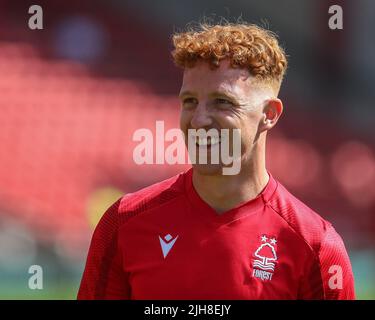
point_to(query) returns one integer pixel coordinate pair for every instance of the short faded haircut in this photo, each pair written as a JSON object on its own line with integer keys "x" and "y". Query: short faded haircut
{"x": 246, "y": 46}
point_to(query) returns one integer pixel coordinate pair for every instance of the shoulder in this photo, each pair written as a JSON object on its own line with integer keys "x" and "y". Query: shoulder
{"x": 133, "y": 204}
{"x": 330, "y": 275}
{"x": 301, "y": 219}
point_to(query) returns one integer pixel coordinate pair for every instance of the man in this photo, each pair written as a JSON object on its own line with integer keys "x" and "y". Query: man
{"x": 207, "y": 235}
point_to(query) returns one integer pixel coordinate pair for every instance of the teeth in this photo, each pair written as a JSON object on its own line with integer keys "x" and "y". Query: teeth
{"x": 204, "y": 141}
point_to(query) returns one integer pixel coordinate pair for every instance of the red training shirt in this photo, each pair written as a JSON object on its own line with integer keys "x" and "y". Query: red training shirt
{"x": 165, "y": 242}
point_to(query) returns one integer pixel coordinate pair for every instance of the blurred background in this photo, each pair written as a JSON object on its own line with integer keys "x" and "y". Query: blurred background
{"x": 72, "y": 95}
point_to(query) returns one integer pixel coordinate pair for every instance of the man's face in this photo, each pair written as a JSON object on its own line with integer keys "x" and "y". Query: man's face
{"x": 222, "y": 98}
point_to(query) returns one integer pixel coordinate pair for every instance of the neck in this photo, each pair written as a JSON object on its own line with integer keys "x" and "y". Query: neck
{"x": 224, "y": 192}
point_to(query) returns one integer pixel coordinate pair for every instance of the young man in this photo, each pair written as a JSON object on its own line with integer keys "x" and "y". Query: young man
{"x": 206, "y": 235}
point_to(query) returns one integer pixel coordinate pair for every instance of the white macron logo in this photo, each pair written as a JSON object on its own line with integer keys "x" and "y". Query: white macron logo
{"x": 167, "y": 244}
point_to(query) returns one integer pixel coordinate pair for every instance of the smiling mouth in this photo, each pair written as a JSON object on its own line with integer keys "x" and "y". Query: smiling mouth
{"x": 207, "y": 141}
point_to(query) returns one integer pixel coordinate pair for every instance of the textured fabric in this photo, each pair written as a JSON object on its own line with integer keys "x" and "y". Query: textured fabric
{"x": 165, "y": 242}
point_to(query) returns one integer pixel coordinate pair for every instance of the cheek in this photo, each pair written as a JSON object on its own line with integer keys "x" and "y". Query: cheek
{"x": 246, "y": 123}
{"x": 184, "y": 120}
{"x": 249, "y": 129}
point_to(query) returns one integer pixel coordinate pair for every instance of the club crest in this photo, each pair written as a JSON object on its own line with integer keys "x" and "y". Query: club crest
{"x": 265, "y": 258}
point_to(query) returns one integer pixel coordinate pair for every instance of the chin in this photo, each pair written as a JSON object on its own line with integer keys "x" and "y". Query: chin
{"x": 208, "y": 169}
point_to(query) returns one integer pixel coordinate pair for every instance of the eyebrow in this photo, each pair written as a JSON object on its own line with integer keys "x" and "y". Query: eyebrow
{"x": 186, "y": 93}
{"x": 212, "y": 94}
{"x": 223, "y": 94}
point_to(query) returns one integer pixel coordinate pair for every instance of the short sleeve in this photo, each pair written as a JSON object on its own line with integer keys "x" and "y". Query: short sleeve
{"x": 335, "y": 268}
{"x": 328, "y": 273}
{"x": 104, "y": 276}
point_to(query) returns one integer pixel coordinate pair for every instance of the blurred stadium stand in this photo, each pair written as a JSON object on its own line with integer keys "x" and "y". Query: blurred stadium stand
{"x": 71, "y": 97}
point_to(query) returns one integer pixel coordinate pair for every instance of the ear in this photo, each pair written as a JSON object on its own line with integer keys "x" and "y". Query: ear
{"x": 271, "y": 113}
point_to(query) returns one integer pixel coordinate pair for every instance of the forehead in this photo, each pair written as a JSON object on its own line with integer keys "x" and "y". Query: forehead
{"x": 202, "y": 79}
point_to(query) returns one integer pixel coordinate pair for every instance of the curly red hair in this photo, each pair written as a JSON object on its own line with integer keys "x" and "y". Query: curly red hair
{"x": 245, "y": 45}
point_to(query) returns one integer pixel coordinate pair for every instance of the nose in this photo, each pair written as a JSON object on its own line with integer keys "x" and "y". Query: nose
{"x": 201, "y": 117}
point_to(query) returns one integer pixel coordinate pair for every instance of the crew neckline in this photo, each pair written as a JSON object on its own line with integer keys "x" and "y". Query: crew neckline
{"x": 244, "y": 209}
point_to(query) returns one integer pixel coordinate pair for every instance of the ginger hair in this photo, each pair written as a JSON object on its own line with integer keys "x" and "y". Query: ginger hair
{"x": 245, "y": 45}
